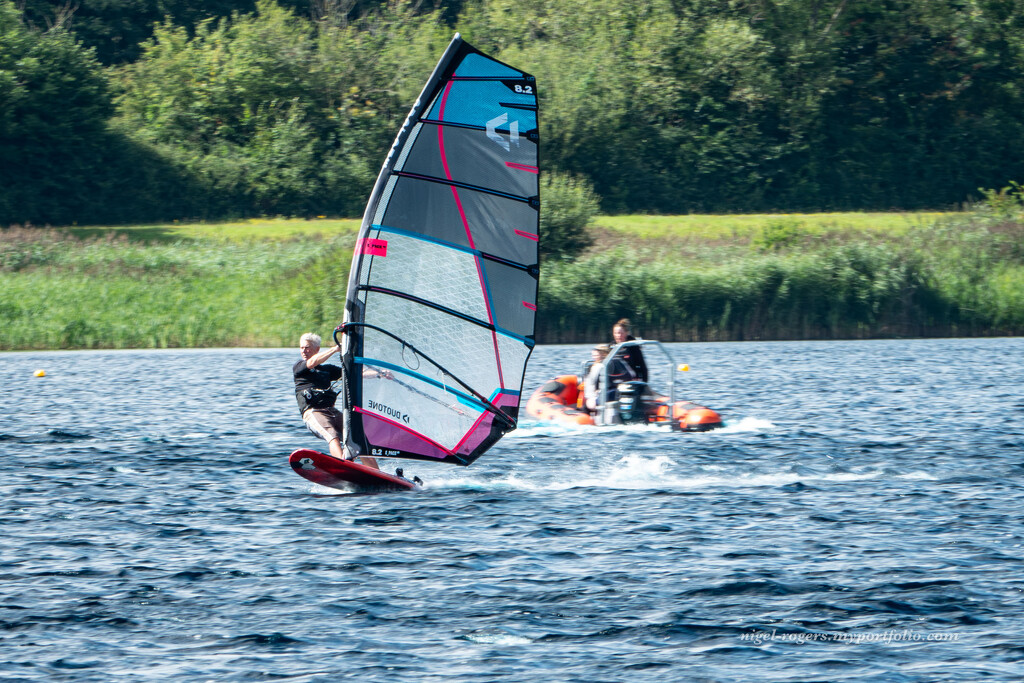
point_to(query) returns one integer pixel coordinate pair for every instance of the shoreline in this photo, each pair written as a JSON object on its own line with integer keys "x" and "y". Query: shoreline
{"x": 582, "y": 344}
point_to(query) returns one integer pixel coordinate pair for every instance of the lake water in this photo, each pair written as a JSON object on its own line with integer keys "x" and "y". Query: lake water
{"x": 859, "y": 518}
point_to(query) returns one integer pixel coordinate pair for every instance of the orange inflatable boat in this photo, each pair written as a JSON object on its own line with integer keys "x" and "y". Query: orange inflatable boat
{"x": 561, "y": 399}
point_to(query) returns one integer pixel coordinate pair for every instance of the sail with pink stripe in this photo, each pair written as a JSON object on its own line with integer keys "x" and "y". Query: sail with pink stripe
{"x": 442, "y": 294}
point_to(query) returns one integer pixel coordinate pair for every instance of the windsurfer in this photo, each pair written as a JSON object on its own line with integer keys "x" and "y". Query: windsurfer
{"x": 313, "y": 379}
{"x": 633, "y": 355}
{"x": 618, "y": 371}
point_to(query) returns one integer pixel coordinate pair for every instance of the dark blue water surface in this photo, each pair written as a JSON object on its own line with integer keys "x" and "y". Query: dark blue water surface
{"x": 858, "y": 519}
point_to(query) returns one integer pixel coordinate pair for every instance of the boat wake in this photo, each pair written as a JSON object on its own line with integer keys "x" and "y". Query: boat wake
{"x": 747, "y": 424}
{"x": 655, "y": 473}
{"x": 543, "y": 428}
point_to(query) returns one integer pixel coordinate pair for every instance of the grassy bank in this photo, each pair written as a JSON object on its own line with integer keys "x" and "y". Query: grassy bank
{"x": 748, "y": 227}
{"x": 245, "y": 284}
{"x": 260, "y": 283}
{"x": 821, "y": 276}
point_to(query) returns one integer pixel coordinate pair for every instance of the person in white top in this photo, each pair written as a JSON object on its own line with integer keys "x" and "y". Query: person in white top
{"x": 618, "y": 371}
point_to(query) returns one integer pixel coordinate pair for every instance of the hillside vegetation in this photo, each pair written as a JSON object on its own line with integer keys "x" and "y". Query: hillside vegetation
{"x": 122, "y": 113}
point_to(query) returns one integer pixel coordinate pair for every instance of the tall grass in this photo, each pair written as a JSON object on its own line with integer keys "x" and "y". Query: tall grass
{"x": 59, "y": 291}
{"x": 748, "y": 226}
{"x": 262, "y": 284}
{"x": 961, "y": 276}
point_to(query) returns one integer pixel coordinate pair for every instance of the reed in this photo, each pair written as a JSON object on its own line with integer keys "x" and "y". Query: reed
{"x": 262, "y": 284}
{"x": 961, "y": 276}
{"x": 62, "y": 291}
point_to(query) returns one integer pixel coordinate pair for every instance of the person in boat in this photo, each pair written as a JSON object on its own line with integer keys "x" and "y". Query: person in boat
{"x": 313, "y": 379}
{"x": 633, "y": 356}
{"x": 618, "y": 371}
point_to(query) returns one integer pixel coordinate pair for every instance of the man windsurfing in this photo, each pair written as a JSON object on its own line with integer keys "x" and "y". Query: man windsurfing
{"x": 313, "y": 380}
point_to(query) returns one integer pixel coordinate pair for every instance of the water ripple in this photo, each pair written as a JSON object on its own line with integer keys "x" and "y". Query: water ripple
{"x": 840, "y": 528}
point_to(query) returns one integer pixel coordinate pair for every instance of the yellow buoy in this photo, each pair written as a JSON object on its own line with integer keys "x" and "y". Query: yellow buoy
{"x": 683, "y": 368}
{"x": 40, "y": 373}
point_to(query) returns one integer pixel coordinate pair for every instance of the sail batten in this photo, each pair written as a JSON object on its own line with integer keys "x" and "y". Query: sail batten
{"x": 448, "y": 311}
{"x": 442, "y": 296}
{"x": 460, "y": 396}
{"x": 469, "y": 186}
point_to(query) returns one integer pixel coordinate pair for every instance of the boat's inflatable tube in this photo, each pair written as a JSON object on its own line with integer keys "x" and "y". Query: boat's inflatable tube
{"x": 690, "y": 416}
{"x": 557, "y": 400}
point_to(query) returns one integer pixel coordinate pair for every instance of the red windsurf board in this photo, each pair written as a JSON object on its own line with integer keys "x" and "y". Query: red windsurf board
{"x": 327, "y": 470}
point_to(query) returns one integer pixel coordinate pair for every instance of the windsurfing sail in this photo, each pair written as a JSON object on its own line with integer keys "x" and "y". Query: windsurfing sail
{"x": 442, "y": 294}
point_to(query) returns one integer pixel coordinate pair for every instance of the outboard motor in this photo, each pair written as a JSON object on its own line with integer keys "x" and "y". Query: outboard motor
{"x": 631, "y": 402}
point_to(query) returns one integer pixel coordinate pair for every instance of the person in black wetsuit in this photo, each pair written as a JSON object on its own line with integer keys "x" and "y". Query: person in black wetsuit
{"x": 313, "y": 379}
{"x": 633, "y": 355}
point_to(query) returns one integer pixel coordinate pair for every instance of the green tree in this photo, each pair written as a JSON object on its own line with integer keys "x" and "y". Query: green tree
{"x": 567, "y": 206}
{"x": 249, "y": 108}
{"x": 54, "y": 103}
{"x": 925, "y": 105}
{"x": 116, "y": 29}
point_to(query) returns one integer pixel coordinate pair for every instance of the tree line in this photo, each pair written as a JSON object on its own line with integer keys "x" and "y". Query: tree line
{"x": 155, "y": 110}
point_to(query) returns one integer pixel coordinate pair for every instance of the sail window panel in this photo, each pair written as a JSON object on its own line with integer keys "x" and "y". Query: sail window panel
{"x": 457, "y": 214}
{"x": 410, "y": 145}
{"x": 385, "y": 200}
{"x": 445, "y": 276}
{"x": 464, "y": 348}
{"x": 514, "y": 354}
{"x": 507, "y": 165}
{"x": 419, "y": 405}
{"x": 477, "y": 103}
{"x": 513, "y": 292}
